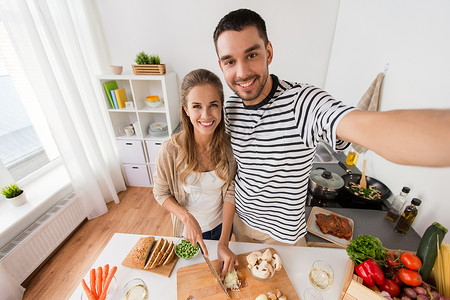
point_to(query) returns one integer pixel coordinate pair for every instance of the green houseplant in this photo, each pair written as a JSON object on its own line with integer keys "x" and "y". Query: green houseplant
{"x": 14, "y": 194}
{"x": 148, "y": 64}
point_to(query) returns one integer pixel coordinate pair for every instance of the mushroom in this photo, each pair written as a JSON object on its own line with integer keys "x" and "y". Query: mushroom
{"x": 252, "y": 258}
{"x": 267, "y": 255}
{"x": 260, "y": 272}
{"x": 265, "y": 265}
{"x": 278, "y": 293}
{"x": 272, "y": 296}
{"x": 276, "y": 262}
{"x": 282, "y": 297}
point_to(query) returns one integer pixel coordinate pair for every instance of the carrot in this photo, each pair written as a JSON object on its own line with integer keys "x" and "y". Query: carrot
{"x": 99, "y": 280}
{"x": 107, "y": 283}
{"x": 92, "y": 282}
{"x": 105, "y": 274}
{"x": 88, "y": 292}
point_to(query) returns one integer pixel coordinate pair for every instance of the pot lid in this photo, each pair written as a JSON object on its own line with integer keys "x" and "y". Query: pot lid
{"x": 327, "y": 179}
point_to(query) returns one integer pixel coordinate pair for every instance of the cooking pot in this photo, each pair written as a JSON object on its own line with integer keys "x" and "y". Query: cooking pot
{"x": 355, "y": 178}
{"x": 325, "y": 184}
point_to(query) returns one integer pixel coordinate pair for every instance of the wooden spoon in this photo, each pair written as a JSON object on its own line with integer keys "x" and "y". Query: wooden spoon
{"x": 363, "y": 181}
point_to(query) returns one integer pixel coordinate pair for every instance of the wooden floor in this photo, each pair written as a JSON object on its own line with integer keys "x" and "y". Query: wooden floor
{"x": 137, "y": 213}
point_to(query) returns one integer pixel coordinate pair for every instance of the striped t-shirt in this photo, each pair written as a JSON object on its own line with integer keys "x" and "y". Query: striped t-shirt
{"x": 274, "y": 143}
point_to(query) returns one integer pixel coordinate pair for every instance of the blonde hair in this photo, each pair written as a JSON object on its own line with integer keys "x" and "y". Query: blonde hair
{"x": 187, "y": 160}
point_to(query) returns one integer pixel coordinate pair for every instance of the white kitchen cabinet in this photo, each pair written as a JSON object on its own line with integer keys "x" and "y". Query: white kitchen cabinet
{"x": 138, "y": 151}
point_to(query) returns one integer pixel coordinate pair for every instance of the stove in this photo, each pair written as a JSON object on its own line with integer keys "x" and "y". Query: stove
{"x": 341, "y": 201}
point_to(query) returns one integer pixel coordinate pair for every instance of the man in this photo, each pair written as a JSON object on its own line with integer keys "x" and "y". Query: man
{"x": 275, "y": 126}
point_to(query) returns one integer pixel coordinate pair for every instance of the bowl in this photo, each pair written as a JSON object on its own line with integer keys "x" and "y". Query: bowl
{"x": 259, "y": 278}
{"x": 153, "y": 104}
{"x": 109, "y": 294}
{"x": 183, "y": 244}
{"x": 117, "y": 70}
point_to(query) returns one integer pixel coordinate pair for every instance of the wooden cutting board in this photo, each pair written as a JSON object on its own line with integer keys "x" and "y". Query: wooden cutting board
{"x": 198, "y": 282}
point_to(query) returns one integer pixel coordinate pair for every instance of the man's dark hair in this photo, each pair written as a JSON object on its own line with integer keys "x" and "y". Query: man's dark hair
{"x": 239, "y": 19}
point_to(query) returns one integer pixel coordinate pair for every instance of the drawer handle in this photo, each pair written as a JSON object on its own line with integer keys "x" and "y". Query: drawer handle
{"x": 158, "y": 144}
{"x": 135, "y": 167}
{"x": 129, "y": 144}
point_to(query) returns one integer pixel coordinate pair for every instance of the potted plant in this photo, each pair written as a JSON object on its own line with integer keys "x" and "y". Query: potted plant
{"x": 14, "y": 194}
{"x": 148, "y": 65}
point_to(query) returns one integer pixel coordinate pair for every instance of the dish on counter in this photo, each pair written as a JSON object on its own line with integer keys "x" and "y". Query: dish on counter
{"x": 263, "y": 265}
{"x": 313, "y": 228}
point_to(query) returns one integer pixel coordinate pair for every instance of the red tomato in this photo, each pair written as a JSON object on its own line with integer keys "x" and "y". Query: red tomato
{"x": 410, "y": 277}
{"x": 411, "y": 261}
{"x": 397, "y": 280}
{"x": 390, "y": 286}
{"x": 393, "y": 259}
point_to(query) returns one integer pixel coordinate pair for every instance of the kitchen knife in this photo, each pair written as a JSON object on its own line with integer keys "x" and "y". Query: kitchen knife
{"x": 211, "y": 268}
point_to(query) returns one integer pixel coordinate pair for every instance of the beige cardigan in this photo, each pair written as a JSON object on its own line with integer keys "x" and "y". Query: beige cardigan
{"x": 167, "y": 183}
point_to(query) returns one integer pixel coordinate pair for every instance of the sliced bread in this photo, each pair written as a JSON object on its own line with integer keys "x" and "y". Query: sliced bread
{"x": 154, "y": 253}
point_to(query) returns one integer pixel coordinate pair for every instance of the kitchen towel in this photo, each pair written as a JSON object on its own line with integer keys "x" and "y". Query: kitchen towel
{"x": 370, "y": 102}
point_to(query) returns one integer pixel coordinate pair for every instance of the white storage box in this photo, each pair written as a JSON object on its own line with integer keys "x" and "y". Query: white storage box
{"x": 131, "y": 151}
{"x": 152, "y": 150}
{"x": 137, "y": 175}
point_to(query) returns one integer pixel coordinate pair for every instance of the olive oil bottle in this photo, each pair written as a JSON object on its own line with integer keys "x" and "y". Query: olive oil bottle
{"x": 397, "y": 205}
{"x": 408, "y": 216}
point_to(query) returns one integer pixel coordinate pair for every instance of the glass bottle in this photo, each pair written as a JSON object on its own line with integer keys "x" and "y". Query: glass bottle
{"x": 352, "y": 157}
{"x": 408, "y": 216}
{"x": 397, "y": 205}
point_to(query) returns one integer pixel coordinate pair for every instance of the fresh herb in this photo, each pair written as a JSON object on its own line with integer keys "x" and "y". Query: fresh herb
{"x": 364, "y": 247}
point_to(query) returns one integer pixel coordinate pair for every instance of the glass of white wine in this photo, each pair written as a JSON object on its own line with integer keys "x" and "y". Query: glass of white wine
{"x": 135, "y": 289}
{"x": 321, "y": 275}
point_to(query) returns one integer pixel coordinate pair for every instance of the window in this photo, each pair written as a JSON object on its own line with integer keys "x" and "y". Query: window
{"x": 26, "y": 144}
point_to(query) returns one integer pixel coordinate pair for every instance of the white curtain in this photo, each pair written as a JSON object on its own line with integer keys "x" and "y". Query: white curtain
{"x": 61, "y": 46}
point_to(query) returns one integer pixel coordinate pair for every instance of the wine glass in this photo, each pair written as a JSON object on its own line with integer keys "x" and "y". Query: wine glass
{"x": 135, "y": 289}
{"x": 321, "y": 275}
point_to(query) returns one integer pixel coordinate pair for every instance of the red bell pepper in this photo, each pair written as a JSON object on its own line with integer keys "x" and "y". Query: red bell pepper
{"x": 370, "y": 272}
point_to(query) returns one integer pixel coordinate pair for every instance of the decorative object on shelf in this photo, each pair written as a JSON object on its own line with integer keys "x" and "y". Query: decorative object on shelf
{"x": 117, "y": 70}
{"x": 158, "y": 129}
{"x": 129, "y": 130}
{"x": 148, "y": 65}
{"x": 153, "y": 101}
{"x": 129, "y": 105}
{"x": 14, "y": 195}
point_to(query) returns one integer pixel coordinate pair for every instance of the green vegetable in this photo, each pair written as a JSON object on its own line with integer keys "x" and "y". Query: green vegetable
{"x": 185, "y": 249}
{"x": 364, "y": 247}
{"x": 428, "y": 248}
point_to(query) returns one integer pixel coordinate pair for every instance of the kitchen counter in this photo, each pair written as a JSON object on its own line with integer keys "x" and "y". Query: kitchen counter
{"x": 297, "y": 262}
{"x": 366, "y": 221}
{"x": 371, "y": 222}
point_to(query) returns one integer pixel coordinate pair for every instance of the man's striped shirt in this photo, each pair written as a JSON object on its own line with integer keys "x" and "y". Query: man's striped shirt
{"x": 274, "y": 143}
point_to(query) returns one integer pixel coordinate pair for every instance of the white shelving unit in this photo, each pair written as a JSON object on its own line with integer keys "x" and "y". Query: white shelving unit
{"x": 138, "y": 152}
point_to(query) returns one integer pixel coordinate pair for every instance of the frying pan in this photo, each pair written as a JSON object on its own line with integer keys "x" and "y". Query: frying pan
{"x": 355, "y": 178}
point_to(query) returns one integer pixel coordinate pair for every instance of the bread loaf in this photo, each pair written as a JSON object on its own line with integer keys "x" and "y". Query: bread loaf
{"x": 141, "y": 250}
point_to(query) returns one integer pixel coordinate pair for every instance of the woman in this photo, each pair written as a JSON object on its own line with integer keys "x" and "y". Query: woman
{"x": 194, "y": 176}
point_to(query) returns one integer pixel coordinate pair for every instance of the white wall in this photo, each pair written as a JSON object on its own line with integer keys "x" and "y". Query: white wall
{"x": 181, "y": 33}
{"x": 410, "y": 35}
{"x": 413, "y": 37}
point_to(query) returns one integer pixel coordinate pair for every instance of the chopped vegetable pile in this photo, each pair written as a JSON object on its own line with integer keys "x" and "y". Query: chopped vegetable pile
{"x": 371, "y": 193}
